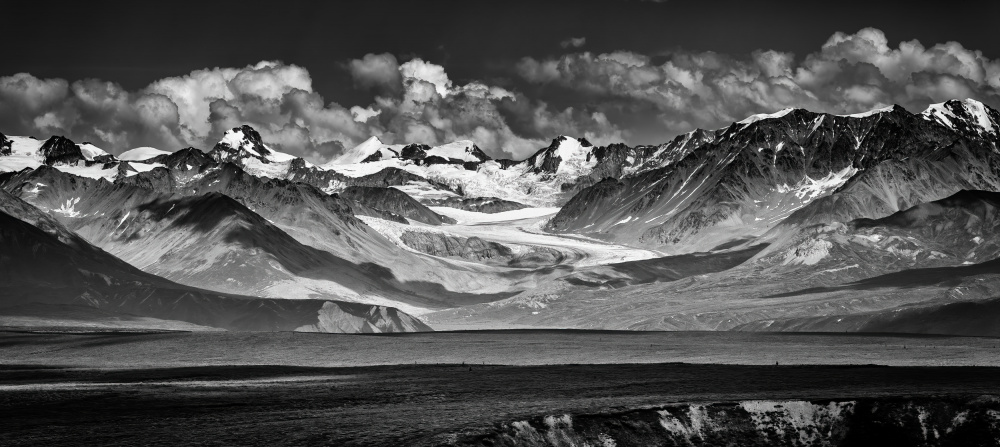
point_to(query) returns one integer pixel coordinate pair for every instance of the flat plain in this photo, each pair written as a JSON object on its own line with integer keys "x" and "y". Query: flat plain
{"x": 225, "y": 388}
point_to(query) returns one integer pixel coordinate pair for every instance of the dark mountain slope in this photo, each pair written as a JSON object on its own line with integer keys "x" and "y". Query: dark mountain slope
{"x": 487, "y": 205}
{"x": 394, "y": 201}
{"x": 100, "y": 211}
{"x": 5, "y": 145}
{"x": 961, "y": 229}
{"x": 757, "y": 172}
{"x": 38, "y": 267}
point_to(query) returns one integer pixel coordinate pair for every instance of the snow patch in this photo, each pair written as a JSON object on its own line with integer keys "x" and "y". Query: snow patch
{"x": 90, "y": 151}
{"x": 141, "y": 154}
{"x": 809, "y": 188}
{"x": 361, "y": 152}
{"x": 68, "y": 208}
{"x": 461, "y": 150}
{"x": 763, "y": 116}
{"x": 870, "y": 112}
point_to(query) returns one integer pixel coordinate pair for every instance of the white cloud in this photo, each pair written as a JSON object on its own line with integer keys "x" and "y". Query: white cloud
{"x": 573, "y": 42}
{"x": 417, "y": 69}
{"x": 618, "y": 96}
{"x": 849, "y": 73}
{"x": 362, "y": 114}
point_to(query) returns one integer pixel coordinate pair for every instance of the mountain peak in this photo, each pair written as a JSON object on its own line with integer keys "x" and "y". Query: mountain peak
{"x": 964, "y": 114}
{"x": 464, "y": 150}
{"x": 566, "y": 155}
{"x": 244, "y": 142}
{"x": 362, "y": 152}
{"x": 557, "y": 141}
{"x": 243, "y": 138}
{"x": 59, "y": 149}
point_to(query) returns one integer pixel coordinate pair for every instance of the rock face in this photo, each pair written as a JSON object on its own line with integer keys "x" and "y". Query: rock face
{"x": 489, "y": 205}
{"x": 394, "y": 201}
{"x": 966, "y": 224}
{"x": 43, "y": 262}
{"x": 960, "y": 229}
{"x": 472, "y": 248}
{"x": 240, "y": 143}
{"x": 561, "y": 152}
{"x": 183, "y": 160}
{"x": 60, "y": 150}
{"x": 5, "y": 145}
{"x": 392, "y": 177}
{"x": 925, "y": 421}
{"x": 749, "y": 177}
{"x": 351, "y": 318}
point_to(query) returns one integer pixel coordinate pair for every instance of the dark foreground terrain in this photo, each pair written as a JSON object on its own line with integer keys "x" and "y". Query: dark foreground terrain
{"x": 451, "y": 404}
{"x": 64, "y": 397}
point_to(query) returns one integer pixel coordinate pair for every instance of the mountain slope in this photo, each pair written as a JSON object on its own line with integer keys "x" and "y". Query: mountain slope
{"x": 394, "y": 201}
{"x": 38, "y": 267}
{"x": 244, "y": 147}
{"x": 757, "y": 172}
{"x": 213, "y": 242}
{"x": 374, "y": 269}
{"x": 963, "y": 228}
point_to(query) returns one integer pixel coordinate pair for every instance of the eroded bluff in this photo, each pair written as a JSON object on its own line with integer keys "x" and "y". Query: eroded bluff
{"x": 972, "y": 421}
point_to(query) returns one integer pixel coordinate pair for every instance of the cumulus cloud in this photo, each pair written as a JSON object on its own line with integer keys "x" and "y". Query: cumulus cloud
{"x": 608, "y": 97}
{"x": 418, "y": 70}
{"x": 416, "y": 103}
{"x": 573, "y": 42}
{"x": 363, "y": 114}
{"x": 849, "y": 73}
{"x": 189, "y": 110}
{"x": 380, "y": 71}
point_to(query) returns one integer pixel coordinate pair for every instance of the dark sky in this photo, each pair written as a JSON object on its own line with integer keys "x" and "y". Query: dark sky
{"x": 134, "y": 43}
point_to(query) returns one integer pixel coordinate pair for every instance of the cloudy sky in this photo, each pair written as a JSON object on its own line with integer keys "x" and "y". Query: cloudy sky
{"x": 315, "y": 78}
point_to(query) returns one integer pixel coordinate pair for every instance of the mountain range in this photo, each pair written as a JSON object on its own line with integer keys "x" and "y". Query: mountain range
{"x": 794, "y": 220}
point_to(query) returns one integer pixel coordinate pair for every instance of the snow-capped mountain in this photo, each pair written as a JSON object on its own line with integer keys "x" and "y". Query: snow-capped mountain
{"x": 447, "y": 232}
{"x": 373, "y": 150}
{"x": 757, "y": 172}
{"x": 968, "y": 117}
{"x": 370, "y": 148}
{"x": 84, "y": 160}
{"x": 244, "y": 147}
{"x": 461, "y": 169}
{"x": 565, "y": 156}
